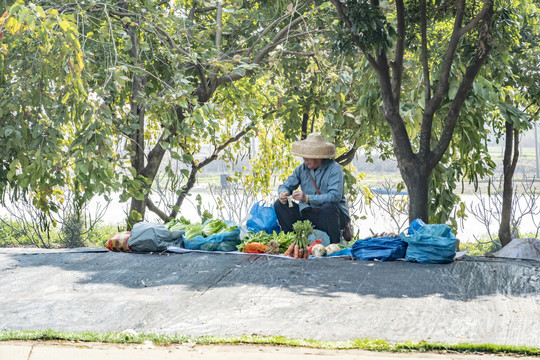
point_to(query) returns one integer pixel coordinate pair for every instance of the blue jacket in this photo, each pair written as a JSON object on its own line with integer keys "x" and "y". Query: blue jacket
{"x": 329, "y": 179}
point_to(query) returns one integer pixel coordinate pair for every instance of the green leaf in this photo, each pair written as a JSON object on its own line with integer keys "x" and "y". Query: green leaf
{"x": 65, "y": 25}
{"x": 452, "y": 91}
{"x": 14, "y": 9}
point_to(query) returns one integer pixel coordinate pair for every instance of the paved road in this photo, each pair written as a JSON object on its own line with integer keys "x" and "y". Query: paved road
{"x": 474, "y": 300}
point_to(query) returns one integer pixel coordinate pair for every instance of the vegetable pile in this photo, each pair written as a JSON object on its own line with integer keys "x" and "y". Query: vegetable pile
{"x": 294, "y": 244}
{"x": 283, "y": 239}
{"x": 211, "y": 227}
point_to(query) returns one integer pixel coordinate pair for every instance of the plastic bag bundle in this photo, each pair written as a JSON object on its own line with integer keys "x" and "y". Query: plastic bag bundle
{"x": 431, "y": 244}
{"x": 152, "y": 237}
{"x": 384, "y": 248}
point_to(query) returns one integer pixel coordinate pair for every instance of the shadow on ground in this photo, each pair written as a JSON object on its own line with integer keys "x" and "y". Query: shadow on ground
{"x": 464, "y": 279}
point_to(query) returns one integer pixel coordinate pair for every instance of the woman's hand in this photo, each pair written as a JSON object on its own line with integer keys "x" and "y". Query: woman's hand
{"x": 299, "y": 195}
{"x": 283, "y": 197}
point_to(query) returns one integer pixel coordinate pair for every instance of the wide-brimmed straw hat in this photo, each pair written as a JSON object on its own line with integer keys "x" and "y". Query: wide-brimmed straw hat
{"x": 314, "y": 147}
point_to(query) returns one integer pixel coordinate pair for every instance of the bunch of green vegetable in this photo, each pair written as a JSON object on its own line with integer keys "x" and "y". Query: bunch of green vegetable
{"x": 284, "y": 239}
{"x": 260, "y": 237}
{"x": 178, "y": 224}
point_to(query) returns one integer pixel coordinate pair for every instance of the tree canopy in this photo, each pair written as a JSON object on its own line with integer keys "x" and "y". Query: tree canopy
{"x": 114, "y": 95}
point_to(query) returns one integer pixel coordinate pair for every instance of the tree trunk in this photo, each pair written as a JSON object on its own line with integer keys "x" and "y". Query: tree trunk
{"x": 509, "y": 166}
{"x": 416, "y": 178}
{"x": 137, "y": 111}
{"x": 137, "y": 207}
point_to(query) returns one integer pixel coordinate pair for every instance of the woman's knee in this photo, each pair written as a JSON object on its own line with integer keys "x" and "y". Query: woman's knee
{"x": 329, "y": 208}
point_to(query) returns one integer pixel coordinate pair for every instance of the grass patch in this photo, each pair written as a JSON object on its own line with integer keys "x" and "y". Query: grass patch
{"x": 14, "y": 236}
{"x": 485, "y": 245}
{"x": 480, "y": 247}
{"x": 356, "y": 344}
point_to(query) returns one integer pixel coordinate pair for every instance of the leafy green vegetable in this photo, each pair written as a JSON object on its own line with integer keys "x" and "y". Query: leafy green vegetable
{"x": 229, "y": 229}
{"x": 178, "y": 224}
{"x": 284, "y": 239}
{"x": 212, "y": 227}
{"x": 260, "y": 237}
{"x": 206, "y": 215}
{"x": 193, "y": 230}
{"x": 215, "y": 226}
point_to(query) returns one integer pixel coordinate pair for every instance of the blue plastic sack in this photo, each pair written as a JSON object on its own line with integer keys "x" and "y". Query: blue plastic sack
{"x": 431, "y": 244}
{"x": 415, "y": 225}
{"x": 317, "y": 234}
{"x": 263, "y": 218}
{"x": 219, "y": 242}
{"x": 381, "y": 248}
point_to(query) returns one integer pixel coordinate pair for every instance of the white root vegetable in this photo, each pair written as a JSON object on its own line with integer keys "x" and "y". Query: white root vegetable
{"x": 318, "y": 250}
{"x": 332, "y": 248}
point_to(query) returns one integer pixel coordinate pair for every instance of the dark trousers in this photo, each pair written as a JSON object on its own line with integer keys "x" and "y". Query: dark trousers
{"x": 327, "y": 218}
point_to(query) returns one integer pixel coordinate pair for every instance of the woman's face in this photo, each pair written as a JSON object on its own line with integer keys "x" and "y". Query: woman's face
{"x": 313, "y": 164}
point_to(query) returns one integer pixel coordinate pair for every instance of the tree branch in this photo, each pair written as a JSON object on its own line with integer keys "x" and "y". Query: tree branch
{"x": 231, "y": 77}
{"x": 298, "y": 53}
{"x": 153, "y": 208}
{"x": 271, "y": 27}
{"x": 195, "y": 167}
{"x": 446, "y": 66}
{"x": 278, "y": 38}
{"x": 427, "y": 118}
{"x": 219, "y": 25}
{"x": 347, "y": 157}
{"x": 425, "y": 53}
{"x": 474, "y": 22}
{"x": 482, "y": 51}
{"x": 516, "y": 152}
{"x": 397, "y": 64}
{"x": 205, "y": 10}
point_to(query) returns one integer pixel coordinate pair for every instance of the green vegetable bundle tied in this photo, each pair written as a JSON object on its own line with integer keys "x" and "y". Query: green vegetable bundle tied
{"x": 298, "y": 248}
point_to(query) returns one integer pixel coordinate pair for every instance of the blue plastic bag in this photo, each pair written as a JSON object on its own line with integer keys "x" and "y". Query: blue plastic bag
{"x": 431, "y": 244}
{"x": 219, "y": 242}
{"x": 381, "y": 248}
{"x": 317, "y": 234}
{"x": 263, "y": 218}
{"x": 415, "y": 225}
